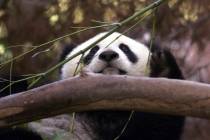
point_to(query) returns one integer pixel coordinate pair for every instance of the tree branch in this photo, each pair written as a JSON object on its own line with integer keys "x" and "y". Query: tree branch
{"x": 100, "y": 92}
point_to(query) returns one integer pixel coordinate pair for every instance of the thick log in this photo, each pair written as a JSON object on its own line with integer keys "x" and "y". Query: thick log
{"x": 102, "y": 92}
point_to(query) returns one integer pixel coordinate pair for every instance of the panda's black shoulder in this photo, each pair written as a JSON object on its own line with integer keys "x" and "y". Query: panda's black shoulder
{"x": 14, "y": 88}
{"x": 15, "y": 133}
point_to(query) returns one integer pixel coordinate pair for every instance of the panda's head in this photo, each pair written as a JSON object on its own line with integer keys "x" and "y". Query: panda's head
{"x": 116, "y": 54}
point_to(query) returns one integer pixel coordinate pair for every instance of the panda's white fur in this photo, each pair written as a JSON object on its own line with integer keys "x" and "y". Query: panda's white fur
{"x": 111, "y": 43}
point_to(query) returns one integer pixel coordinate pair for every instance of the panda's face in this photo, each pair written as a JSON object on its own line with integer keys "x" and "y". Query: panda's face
{"x": 117, "y": 54}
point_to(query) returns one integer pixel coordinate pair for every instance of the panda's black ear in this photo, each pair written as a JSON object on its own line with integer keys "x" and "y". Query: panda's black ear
{"x": 154, "y": 47}
{"x": 66, "y": 50}
{"x": 163, "y": 64}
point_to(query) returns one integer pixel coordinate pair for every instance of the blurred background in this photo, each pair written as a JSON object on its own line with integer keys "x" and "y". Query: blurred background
{"x": 183, "y": 26}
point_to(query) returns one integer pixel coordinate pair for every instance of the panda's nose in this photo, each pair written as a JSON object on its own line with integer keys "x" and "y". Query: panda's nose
{"x": 108, "y": 56}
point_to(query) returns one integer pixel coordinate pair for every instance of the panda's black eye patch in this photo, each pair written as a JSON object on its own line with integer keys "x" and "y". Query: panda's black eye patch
{"x": 130, "y": 55}
{"x": 87, "y": 59}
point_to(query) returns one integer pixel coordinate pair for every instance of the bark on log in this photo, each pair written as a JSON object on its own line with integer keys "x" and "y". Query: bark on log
{"x": 100, "y": 92}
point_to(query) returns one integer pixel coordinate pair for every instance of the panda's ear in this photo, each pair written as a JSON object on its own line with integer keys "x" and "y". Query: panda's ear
{"x": 163, "y": 64}
{"x": 66, "y": 50}
{"x": 154, "y": 47}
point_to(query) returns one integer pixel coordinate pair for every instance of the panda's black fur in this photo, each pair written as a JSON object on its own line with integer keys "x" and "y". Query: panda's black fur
{"x": 107, "y": 125}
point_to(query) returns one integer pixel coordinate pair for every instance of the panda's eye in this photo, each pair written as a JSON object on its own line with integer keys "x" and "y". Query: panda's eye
{"x": 130, "y": 54}
{"x": 124, "y": 48}
{"x": 87, "y": 59}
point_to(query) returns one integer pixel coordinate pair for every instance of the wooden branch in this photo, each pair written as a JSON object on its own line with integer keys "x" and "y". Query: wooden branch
{"x": 99, "y": 92}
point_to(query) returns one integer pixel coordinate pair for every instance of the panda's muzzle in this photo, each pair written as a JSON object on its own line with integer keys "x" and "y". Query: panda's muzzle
{"x": 108, "y": 57}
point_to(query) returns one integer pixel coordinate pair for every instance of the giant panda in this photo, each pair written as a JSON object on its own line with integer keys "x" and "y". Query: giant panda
{"x": 120, "y": 55}
{"x": 115, "y": 55}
